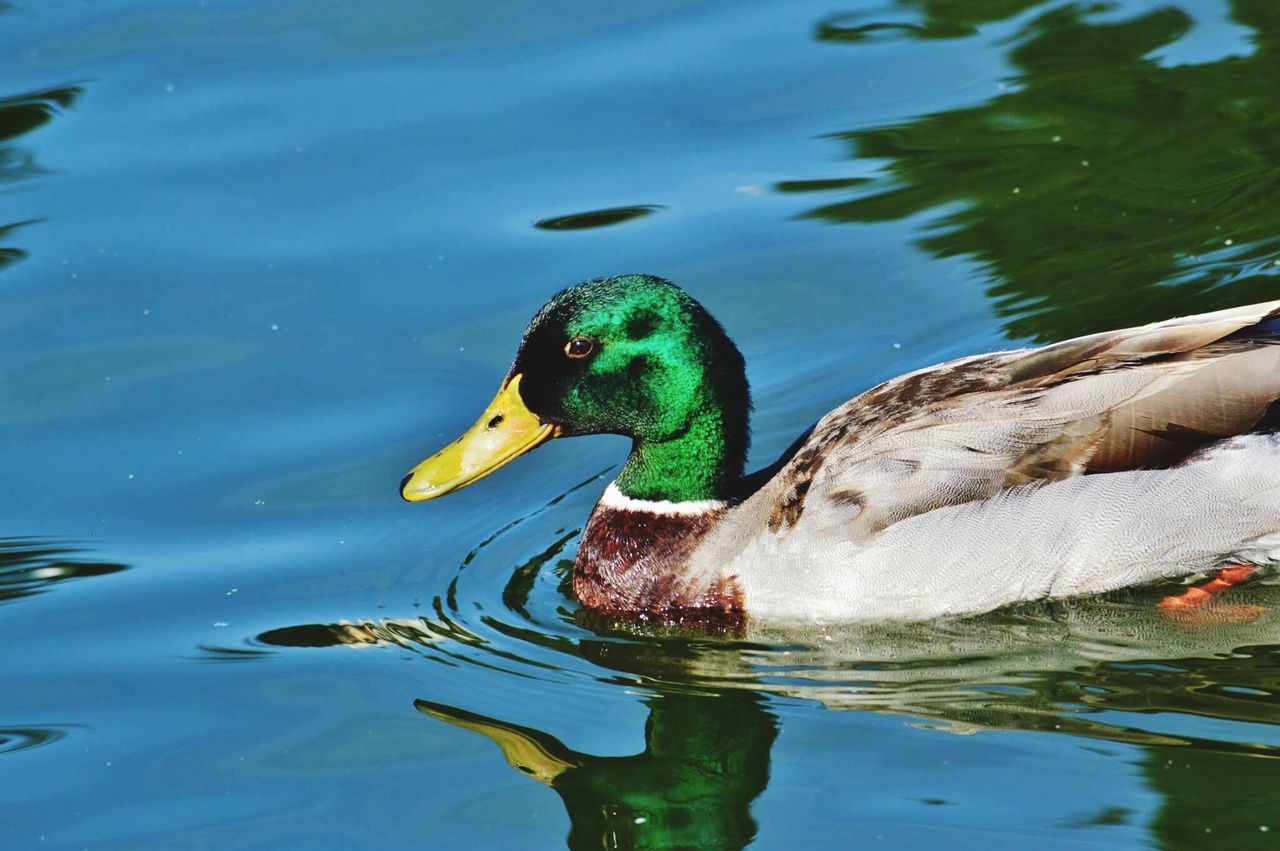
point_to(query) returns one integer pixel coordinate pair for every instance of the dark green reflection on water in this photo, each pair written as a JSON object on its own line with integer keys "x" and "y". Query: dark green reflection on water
{"x": 1213, "y": 800}
{"x": 706, "y": 758}
{"x": 29, "y": 567}
{"x": 10, "y": 254}
{"x": 597, "y": 218}
{"x": 19, "y": 115}
{"x": 1101, "y": 189}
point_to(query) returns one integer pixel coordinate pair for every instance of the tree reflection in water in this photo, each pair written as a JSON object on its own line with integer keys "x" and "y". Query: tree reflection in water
{"x": 1102, "y": 188}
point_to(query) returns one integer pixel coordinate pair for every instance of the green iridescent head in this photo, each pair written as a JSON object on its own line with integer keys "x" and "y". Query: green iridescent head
{"x": 633, "y": 355}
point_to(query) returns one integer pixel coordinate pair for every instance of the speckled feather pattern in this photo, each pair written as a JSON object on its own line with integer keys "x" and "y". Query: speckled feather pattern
{"x": 1079, "y": 536}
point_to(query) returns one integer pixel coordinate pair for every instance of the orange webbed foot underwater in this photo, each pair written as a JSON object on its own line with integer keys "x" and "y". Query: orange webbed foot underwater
{"x": 1194, "y": 605}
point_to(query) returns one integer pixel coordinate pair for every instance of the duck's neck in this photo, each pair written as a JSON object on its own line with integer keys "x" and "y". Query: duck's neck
{"x": 638, "y": 555}
{"x": 636, "y": 561}
{"x": 703, "y": 462}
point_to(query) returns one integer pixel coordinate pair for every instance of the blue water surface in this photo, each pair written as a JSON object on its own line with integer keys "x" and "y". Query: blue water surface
{"x": 259, "y": 258}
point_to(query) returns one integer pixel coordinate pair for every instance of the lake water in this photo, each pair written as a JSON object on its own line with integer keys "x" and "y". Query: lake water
{"x": 259, "y": 257}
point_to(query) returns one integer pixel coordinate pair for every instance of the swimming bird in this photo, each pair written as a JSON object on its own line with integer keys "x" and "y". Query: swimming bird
{"x": 1111, "y": 460}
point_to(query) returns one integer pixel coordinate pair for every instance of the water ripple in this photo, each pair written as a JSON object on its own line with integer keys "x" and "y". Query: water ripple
{"x": 15, "y": 739}
{"x": 1095, "y": 667}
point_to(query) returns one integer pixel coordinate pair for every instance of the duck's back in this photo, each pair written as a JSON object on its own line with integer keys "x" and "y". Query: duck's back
{"x": 1086, "y": 465}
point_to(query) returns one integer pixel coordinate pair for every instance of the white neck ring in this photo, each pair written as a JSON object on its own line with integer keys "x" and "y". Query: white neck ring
{"x": 616, "y": 499}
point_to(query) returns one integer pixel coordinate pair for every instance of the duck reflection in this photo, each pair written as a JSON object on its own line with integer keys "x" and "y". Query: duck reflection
{"x": 31, "y": 566}
{"x": 1111, "y": 669}
{"x": 706, "y": 758}
{"x": 1106, "y": 184}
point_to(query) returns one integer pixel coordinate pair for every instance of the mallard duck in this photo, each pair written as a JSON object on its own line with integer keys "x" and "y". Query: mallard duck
{"x": 1092, "y": 464}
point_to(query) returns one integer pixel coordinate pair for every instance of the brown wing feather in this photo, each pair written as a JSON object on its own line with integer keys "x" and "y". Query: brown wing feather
{"x": 1140, "y": 397}
{"x": 1227, "y": 396}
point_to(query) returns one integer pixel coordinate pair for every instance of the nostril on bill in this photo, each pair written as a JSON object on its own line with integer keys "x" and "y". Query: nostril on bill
{"x": 494, "y": 422}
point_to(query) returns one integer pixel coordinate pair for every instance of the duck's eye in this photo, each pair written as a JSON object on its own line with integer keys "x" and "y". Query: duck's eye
{"x": 579, "y": 347}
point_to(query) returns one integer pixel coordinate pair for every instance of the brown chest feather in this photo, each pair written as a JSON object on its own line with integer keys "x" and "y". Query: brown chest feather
{"x": 634, "y": 564}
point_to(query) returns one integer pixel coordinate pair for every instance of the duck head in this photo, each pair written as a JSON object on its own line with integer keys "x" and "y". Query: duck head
{"x": 633, "y": 355}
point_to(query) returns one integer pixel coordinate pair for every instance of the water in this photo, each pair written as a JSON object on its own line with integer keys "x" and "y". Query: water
{"x": 258, "y": 258}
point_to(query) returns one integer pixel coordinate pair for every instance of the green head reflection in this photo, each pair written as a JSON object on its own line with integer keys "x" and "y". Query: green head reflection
{"x": 706, "y": 758}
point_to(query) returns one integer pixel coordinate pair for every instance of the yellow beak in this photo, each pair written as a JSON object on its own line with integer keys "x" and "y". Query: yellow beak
{"x": 505, "y": 430}
{"x": 531, "y": 751}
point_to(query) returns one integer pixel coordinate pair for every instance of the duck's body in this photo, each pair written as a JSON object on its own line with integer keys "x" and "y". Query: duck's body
{"x": 1082, "y": 536}
{"x": 1081, "y": 467}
